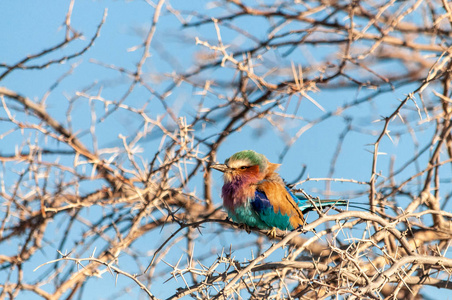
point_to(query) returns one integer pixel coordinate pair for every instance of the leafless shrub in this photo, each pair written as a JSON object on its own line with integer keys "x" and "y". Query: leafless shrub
{"x": 83, "y": 196}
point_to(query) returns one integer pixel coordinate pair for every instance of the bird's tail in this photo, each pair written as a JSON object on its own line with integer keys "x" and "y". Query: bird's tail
{"x": 306, "y": 205}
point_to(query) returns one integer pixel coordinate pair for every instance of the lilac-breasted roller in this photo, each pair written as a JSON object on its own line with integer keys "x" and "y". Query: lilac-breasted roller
{"x": 256, "y": 196}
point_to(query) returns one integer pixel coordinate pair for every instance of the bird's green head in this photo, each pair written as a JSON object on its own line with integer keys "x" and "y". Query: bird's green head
{"x": 245, "y": 159}
{"x": 244, "y": 164}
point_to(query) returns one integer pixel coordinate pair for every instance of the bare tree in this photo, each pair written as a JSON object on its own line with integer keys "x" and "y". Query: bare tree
{"x": 113, "y": 177}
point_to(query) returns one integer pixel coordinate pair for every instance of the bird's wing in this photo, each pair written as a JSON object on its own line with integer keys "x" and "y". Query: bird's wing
{"x": 276, "y": 205}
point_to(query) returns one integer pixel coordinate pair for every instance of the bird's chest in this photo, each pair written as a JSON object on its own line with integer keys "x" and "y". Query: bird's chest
{"x": 237, "y": 194}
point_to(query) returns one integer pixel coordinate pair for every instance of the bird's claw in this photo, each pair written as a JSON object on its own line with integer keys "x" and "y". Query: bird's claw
{"x": 246, "y": 227}
{"x": 272, "y": 233}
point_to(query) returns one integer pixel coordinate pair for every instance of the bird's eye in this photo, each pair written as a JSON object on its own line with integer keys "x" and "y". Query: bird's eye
{"x": 244, "y": 167}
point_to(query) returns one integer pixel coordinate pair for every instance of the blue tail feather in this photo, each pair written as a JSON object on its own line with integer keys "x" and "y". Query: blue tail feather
{"x": 305, "y": 204}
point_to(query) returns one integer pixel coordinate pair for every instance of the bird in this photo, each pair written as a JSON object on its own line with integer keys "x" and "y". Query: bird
{"x": 255, "y": 195}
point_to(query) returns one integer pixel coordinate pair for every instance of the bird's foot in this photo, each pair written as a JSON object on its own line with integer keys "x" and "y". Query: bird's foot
{"x": 272, "y": 233}
{"x": 246, "y": 227}
{"x": 302, "y": 230}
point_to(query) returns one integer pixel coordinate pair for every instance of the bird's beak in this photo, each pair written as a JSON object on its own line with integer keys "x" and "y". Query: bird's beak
{"x": 220, "y": 167}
